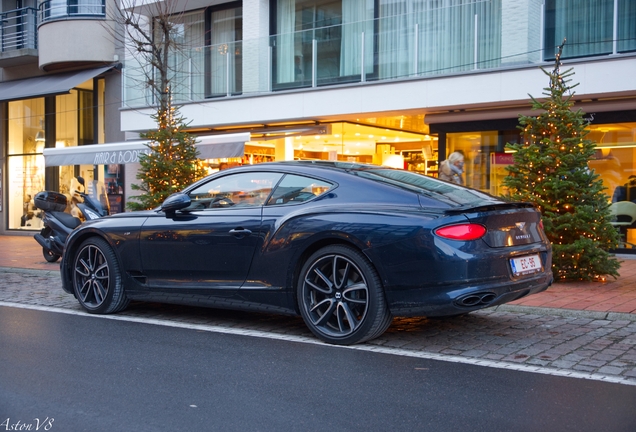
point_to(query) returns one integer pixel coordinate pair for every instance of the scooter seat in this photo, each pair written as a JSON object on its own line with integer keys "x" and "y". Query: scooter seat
{"x": 68, "y": 220}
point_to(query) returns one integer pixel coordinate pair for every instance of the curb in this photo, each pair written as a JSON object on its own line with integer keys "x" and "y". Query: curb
{"x": 595, "y": 315}
{"x": 29, "y": 271}
{"x": 588, "y": 314}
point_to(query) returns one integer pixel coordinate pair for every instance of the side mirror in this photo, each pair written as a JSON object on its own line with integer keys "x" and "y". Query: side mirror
{"x": 174, "y": 202}
{"x": 80, "y": 180}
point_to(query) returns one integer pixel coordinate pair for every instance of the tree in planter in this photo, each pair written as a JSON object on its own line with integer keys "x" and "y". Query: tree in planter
{"x": 153, "y": 35}
{"x": 551, "y": 170}
{"x": 171, "y": 164}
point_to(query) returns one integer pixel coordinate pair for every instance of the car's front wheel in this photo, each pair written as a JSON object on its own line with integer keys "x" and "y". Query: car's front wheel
{"x": 97, "y": 278}
{"x": 341, "y": 298}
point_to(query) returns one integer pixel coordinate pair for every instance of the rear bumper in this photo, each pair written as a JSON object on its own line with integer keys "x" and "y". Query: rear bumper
{"x": 437, "y": 301}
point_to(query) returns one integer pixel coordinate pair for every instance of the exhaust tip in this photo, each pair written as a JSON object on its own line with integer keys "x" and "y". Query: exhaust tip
{"x": 476, "y": 299}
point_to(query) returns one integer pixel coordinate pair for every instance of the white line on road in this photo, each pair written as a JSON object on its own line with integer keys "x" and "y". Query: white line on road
{"x": 368, "y": 348}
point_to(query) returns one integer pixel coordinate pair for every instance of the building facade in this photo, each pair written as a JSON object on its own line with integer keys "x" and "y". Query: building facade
{"x": 58, "y": 72}
{"x": 406, "y": 80}
{"x": 398, "y": 82}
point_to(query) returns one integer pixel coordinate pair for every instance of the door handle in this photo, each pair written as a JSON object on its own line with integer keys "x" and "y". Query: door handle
{"x": 240, "y": 232}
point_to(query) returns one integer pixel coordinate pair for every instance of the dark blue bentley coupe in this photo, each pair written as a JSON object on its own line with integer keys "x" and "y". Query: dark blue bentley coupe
{"x": 347, "y": 246}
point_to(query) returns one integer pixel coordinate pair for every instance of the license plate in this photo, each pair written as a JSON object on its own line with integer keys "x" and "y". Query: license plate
{"x": 525, "y": 265}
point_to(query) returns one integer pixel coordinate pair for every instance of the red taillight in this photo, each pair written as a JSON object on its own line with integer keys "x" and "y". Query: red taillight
{"x": 541, "y": 225}
{"x": 462, "y": 232}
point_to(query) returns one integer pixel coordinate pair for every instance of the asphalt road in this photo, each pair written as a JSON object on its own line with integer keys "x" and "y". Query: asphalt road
{"x": 76, "y": 373}
{"x": 570, "y": 345}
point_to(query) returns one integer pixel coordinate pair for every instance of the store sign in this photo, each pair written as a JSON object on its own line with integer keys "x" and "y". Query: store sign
{"x": 210, "y": 147}
{"x": 502, "y": 159}
{"x": 119, "y": 157}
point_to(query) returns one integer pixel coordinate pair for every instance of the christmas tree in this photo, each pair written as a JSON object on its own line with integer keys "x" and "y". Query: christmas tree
{"x": 171, "y": 164}
{"x": 551, "y": 170}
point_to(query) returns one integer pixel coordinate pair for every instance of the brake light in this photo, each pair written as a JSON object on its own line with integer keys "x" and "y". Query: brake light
{"x": 541, "y": 225}
{"x": 462, "y": 232}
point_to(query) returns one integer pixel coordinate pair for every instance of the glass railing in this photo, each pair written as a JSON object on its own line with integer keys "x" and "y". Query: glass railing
{"x": 50, "y": 10}
{"x": 18, "y": 29}
{"x": 400, "y": 46}
{"x": 424, "y": 43}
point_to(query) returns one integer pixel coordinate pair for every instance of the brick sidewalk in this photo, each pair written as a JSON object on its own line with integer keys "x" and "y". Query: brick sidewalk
{"x": 614, "y": 295}
{"x": 618, "y": 296}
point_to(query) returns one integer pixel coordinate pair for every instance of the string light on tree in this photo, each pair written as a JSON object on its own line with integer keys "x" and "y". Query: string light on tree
{"x": 172, "y": 163}
{"x": 571, "y": 197}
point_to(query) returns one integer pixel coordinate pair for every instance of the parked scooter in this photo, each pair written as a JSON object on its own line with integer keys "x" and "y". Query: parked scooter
{"x": 59, "y": 220}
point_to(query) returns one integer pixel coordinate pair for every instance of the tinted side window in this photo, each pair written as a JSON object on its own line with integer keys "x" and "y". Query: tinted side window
{"x": 295, "y": 189}
{"x": 449, "y": 193}
{"x": 234, "y": 190}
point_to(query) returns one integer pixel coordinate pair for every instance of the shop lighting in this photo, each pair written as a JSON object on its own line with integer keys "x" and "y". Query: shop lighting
{"x": 618, "y": 146}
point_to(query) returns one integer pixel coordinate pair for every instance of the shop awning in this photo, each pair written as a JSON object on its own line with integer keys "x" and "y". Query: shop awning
{"x": 210, "y": 147}
{"x": 47, "y": 85}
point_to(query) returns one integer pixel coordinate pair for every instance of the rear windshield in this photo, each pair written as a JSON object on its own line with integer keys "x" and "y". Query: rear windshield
{"x": 449, "y": 193}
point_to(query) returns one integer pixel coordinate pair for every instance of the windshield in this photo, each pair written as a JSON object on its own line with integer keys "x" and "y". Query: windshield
{"x": 452, "y": 194}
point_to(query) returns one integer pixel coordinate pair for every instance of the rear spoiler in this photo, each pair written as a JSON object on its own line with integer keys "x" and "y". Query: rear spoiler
{"x": 489, "y": 207}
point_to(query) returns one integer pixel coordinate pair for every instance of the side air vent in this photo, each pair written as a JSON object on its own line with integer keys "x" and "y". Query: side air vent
{"x": 140, "y": 278}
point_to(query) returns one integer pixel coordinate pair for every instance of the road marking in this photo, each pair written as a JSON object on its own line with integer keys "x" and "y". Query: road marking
{"x": 369, "y": 348}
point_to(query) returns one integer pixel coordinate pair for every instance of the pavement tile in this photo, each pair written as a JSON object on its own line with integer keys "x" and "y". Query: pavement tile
{"x": 584, "y": 368}
{"x": 612, "y": 370}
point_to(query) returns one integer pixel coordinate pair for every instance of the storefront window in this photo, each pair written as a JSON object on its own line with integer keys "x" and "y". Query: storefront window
{"x": 615, "y": 159}
{"x": 486, "y": 160}
{"x": 479, "y": 150}
{"x": 25, "y": 162}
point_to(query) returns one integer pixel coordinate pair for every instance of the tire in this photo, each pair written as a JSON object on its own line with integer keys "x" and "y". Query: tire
{"x": 341, "y": 298}
{"x": 96, "y": 278}
{"x": 49, "y": 255}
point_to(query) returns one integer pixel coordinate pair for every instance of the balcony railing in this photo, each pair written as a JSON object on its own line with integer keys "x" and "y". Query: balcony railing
{"x": 18, "y": 29}
{"x": 428, "y": 42}
{"x": 392, "y": 48}
{"x": 50, "y": 10}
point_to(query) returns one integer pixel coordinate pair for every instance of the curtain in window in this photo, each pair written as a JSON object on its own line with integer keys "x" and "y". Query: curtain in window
{"x": 57, "y": 8}
{"x": 445, "y": 39}
{"x": 395, "y": 28}
{"x": 626, "y": 25}
{"x": 488, "y": 34}
{"x": 188, "y": 59}
{"x": 222, "y": 52}
{"x": 91, "y": 7}
{"x": 284, "y": 39}
{"x": 357, "y": 17}
{"x": 586, "y": 24}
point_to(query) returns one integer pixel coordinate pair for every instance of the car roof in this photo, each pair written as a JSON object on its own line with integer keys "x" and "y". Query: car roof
{"x": 332, "y": 165}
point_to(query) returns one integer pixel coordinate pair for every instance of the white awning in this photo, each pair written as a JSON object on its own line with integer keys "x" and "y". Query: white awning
{"x": 210, "y": 147}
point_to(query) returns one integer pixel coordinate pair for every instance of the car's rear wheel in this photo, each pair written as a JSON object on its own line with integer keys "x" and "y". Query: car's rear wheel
{"x": 97, "y": 278}
{"x": 341, "y": 298}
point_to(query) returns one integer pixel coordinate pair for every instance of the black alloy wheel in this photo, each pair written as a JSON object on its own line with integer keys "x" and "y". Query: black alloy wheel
{"x": 49, "y": 255}
{"x": 96, "y": 278}
{"x": 341, "y": 298}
